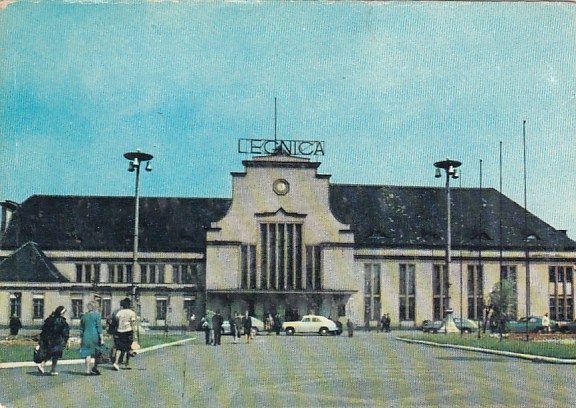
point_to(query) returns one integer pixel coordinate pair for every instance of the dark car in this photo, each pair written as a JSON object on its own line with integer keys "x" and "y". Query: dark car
{"x": 532, "y": 324}
{"x": 466, "y": 325}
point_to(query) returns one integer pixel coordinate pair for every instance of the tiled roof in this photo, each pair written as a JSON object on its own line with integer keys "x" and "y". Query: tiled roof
{"x": 107, "y": 223}
{"x": 380, "y": 216}
{"x": 399, "y": 216}
{"x": 29, "y": 264}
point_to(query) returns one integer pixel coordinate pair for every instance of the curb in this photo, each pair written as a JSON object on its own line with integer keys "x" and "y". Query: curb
{"x": 82, "y": 361}
{"x": 531, "y": 357}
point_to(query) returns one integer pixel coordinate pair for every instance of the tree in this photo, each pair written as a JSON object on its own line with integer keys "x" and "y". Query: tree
{"x": 502, "y": 301}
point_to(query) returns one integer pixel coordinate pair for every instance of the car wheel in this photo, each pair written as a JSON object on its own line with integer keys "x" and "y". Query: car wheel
{"x": 466, "y": 330}
{"x": 290, "y": 331}
{"x": 255, "y": 331}
{"x": 323, "y": 331}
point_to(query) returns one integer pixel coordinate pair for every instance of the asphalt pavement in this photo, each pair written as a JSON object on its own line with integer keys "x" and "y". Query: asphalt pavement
{"x": 367, "y": 370}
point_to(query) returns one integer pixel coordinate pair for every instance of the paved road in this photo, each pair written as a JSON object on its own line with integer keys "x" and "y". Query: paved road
{"x": 368, "y": 370}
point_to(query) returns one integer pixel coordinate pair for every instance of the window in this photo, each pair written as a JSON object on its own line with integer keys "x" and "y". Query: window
{"x": 509, "y": 273}
{"x": 371, "y": 292}
{"x": 77, "y": 308}
{"x": 161, "y": 308}
{"x": 16, "y": 304}
{"x": 37, "y": 306}
{"x": 475, "y": 291}
{"x": 152, "y": 273}
{"x": 248, "y": 266}
{"x": 280, "y": 258}
{"x": 119, "y": 273}
{"x": 106, "y": 307}
{"x": 440, "y": 293}
{"x": 87, "y": 273}
{"x": 188, "y": 306}
{"x": 561, "y": 292}
{"x": 313, "y": 267}
{"x": 407, "y": 292}
{"x": 184, "y": 273}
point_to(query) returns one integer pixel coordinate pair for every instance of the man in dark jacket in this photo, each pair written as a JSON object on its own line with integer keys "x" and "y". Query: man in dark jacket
{"x": 217, "y": 321}
{"x": 15, "y": 325}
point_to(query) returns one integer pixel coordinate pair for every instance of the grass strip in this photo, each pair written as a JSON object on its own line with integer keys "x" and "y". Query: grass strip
{"x": 21, "y": 349}
{"x": 557, "y": 348}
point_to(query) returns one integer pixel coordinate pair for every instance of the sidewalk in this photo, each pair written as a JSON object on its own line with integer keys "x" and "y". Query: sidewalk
{"x": 82, "y": 361}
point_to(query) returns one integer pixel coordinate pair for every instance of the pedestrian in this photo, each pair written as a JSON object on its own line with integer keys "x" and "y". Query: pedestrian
{"x": 217, "y": 321}
{"x": 350, "y": 327}
{"x": 247, "y": 324}
{"x": 546, "y": 323}
{"x": 15, "y": 325}
{"x": 237, "y": 327}
{"x": 205, "y": 325}
{"x": 126, "y": 324}
{"x": 381, "y": 324}
{"x": 191, "y": 322}
{"x": 387, "y": 323}
{"x": 270, "y": 323}
{"x": 112, "y": 329}
{"x": 53, "y": 339}
{"x": 277, "y": 324}
{"x": 90, "y": 337}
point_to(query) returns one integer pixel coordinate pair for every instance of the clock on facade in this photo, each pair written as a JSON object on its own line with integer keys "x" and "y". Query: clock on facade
{"x": 281, "y": 187}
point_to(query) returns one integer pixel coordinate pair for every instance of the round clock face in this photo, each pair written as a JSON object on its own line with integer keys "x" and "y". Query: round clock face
{"x": 281, "y": 187}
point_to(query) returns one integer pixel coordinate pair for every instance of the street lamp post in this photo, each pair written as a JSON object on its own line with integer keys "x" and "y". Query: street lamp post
{"x": 450, "y": 168}
{"x": 136, "y": 159}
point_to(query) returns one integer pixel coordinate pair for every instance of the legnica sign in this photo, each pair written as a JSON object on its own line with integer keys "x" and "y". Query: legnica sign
{"x": 290, "y": 147}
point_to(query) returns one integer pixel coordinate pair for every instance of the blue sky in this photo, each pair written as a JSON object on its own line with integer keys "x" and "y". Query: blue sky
{"x": 390, "y": 87}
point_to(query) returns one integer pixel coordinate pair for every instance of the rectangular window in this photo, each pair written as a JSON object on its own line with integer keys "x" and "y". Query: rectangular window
{"x": 16, "y": 304}
{"x": 161, "y": 308}
{"x": 87, "y": 273}
{"x": 509, "y": 273}
{"x": 119, "y": 273}
{"x": 440, "y": 293}
{"x": 248, "y": 266}
{"x": 475, "y": 291}
{"x": 407, "y": 292}
{"x": 37, "y": 306}
{"x": 280, "y": 256}
{"x": 181, "y": 273}
{"x": 372, "y": 302}
{"x": 77, "y": 308}
{"x": 106, "y": 307}
{"x": 561, "y": 293}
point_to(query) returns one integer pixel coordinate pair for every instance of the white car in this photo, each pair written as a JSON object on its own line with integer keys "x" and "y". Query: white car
{"x": 257, "y": 326}
{"x": 311, "y": 324}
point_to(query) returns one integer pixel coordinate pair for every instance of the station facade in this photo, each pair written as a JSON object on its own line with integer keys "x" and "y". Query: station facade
{"x": 287, "y": 241}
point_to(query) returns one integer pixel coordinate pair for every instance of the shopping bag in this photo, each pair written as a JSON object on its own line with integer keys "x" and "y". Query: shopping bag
{"x": 39, "y": 354}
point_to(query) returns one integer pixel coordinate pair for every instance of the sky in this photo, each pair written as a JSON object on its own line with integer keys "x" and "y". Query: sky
{"x": 390, "y": 87}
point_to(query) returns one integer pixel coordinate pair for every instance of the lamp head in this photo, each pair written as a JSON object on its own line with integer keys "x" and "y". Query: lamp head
{"x": 438, "y": 174}
{"x": 131, "y": 166}
{"x": 148, "y": 166}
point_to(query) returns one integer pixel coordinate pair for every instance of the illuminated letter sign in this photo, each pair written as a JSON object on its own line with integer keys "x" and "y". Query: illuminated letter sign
{"x": 289, "y": 147}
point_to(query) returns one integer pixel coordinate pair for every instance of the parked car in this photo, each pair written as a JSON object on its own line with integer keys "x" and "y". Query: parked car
{"x": 466, "y": 325}
{"x": 311, "y": 324}
{"x": 531, "y": 324}
{"x": 569, "y": 327}
{"x": 257, "y": 326}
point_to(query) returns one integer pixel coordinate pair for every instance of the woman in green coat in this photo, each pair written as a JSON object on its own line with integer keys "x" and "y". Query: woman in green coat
{"x": 91, "y": 337}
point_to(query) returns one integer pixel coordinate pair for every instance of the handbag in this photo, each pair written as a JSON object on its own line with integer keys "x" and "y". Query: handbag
{"x": 102, "y": 355}
{"x": 39, "y": 354}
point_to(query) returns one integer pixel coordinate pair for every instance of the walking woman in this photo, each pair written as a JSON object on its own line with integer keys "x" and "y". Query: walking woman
{"x": 90, "y": 337}
{"x": 126, "y": 324}
{"x": 54, "y": 338}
